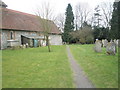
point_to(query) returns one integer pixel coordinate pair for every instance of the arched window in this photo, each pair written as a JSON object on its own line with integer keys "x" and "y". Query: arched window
{"x": 11, "y": 35}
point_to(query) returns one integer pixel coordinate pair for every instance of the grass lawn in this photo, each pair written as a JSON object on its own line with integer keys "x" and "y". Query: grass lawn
{"x": 36, "y": 68}
{"x": 101, "y": 69}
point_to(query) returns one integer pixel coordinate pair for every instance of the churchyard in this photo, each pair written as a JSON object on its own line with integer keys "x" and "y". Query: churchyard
{"x": 102, "y": 69}
{"x": 78, "y": 50}
{"x": 38, "y": 68}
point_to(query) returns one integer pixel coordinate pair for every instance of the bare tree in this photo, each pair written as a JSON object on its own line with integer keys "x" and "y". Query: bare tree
{"x": 45, "y": 15}
{"x": 107, "y": 8}
{"x": 60, "y": 21}
{"x": 81, "y": 14}
{"x": 91, "y": 20}
{"x": 76, "y": 18}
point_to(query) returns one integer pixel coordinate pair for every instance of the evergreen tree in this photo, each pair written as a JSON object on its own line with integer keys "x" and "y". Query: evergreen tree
{"x": 114, "y": 22}
{"x": 69, "y": 24}
{"x": 97, "y": 23}
{"x": 97, "y": 17}
{"x": 119, "y": 20}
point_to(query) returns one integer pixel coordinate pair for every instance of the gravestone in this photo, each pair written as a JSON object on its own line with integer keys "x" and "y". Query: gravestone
{"x": 27, "y": 45}
{"x": 117, "y": 41}
{"x": 105, "y": 43}
{"x": 111, "y": 48}
{"x": 111, "y": 40}
{"x": 24, "y": 46}
{"x": 98, "y": 45}
{"x": 21, "y": 46}
{"x": 96, "y": 39}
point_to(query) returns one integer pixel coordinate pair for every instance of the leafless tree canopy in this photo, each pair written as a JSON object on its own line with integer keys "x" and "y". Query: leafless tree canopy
{"x": 107, "y": 9}
{"x": 45, "y": 11}
{"x": 82, "y": 13}
{"x": 45, "y": 15}
{"x": 60, "y": 21}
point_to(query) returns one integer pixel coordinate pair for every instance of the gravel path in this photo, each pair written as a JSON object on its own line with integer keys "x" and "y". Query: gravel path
{"x": 80, "y": 79}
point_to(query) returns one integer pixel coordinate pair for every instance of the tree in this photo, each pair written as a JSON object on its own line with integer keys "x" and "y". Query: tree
{"x": 81, "y": 14}
{"x": 119, "y": 20}
{"x": 69, "y": 24}
{"x": 60, "y": 21}
{"x": 45, "y": 15}
{"x": 91, "y": 20}
{"x": 97, "y": 23}
{"x": 84, "y": 36}
{"x": 102, "y": 20}
{"x": 107, "y": 8}
{"x": 114, "y": 21}
{"x": 97, "y": 16}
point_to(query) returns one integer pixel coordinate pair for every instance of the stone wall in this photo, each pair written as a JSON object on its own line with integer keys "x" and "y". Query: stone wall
{"x": 5, "y": 35}
{"x": 55, "y": 40}
{"x": 24, "y": 33}
{"x": 0, "y": 38}
{"x": 16, "y": 36}
{"x": 4, "y": 38}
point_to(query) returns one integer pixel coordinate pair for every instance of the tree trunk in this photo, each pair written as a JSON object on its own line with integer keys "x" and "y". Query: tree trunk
{"x": 48, "y": 44}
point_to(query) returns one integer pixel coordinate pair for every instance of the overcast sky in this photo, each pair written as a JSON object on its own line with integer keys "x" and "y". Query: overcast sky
{"x": 59, "y": 6}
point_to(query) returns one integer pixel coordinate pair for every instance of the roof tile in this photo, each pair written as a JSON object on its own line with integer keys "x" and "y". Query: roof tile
{"x": 16, "y": 20}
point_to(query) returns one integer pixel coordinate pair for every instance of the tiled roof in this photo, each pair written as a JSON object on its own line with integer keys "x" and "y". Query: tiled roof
{"x": 16, "y": 20}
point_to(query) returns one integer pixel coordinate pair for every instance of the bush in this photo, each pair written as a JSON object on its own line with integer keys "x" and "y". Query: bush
{"x": 89, "y": 39}
{"x": 82, "y": 41}
{"x": 84, "y": 36}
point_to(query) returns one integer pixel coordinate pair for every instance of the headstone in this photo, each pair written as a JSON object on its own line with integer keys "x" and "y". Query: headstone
{"x": 111, "y": 48}
{"x": 111, "y": 40}
{"x": 116, "y": 44}
{"x": 97, "y": 47}
{"x": 117, "y": 41}
{"x": 24, "y": 46}
{"x": 43, "y": 42}
{"x": 21, "y": 46}
{"x": 27, "y": 45}
{"x": 96, "y": 39}
{"x": 105, "y": 43}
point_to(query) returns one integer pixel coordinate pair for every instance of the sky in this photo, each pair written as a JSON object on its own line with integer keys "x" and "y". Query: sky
{"x": 59, "y": 6}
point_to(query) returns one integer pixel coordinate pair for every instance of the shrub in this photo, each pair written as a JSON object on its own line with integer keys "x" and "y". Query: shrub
{"x": 83, "y": 36}
{"x": 89, "y": 39}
